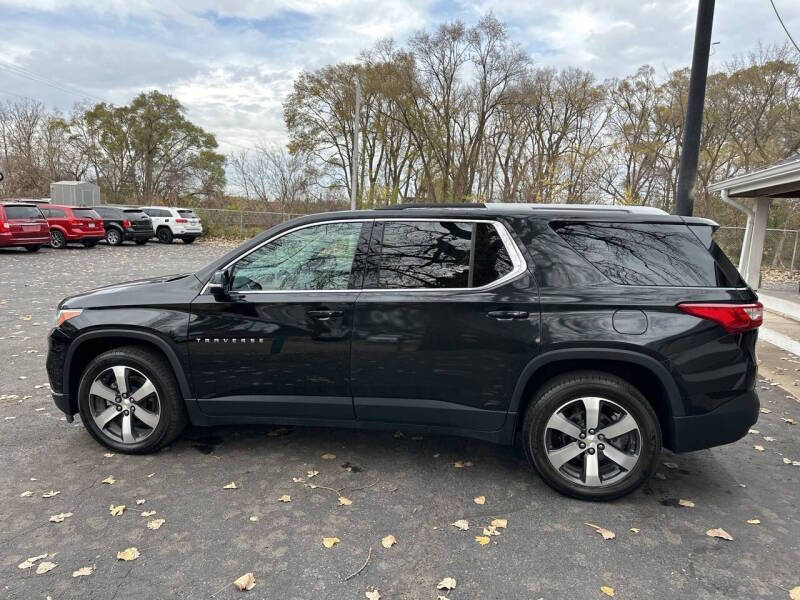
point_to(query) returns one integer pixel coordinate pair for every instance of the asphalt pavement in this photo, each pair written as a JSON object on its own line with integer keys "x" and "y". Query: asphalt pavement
{"x": 409, "y": 487}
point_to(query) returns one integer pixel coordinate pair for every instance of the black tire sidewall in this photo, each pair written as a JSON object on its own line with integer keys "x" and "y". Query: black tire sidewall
{"x": 116, "y": 235}
{"x": 163, "y": 382}
{"x": 564, "y": 389}
{"x": 164, "y": 235}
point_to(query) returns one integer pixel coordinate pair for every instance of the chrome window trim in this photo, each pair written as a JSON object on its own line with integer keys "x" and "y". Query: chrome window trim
{"x": 519, "y": 265}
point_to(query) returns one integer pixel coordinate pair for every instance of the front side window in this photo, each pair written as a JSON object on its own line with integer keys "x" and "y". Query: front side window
{"x": 441, "y": 255}
{"x": 319, "y": 257}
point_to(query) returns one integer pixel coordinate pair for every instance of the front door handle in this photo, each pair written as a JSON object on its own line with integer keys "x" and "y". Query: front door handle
{"x": 508, "y": 315}
{"x": 324, "y": 315}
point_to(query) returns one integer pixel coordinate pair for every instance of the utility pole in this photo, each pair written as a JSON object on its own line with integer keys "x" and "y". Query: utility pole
{"x": 354, "y": 167}
{"x": 690, "y": 147}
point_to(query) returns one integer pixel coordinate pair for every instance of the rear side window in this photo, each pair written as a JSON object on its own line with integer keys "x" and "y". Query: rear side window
{"x": 653, "y": 254}
{"x": 55, "y": 213}
{"x": 22, "y": 212}
{"x": 187, "y": 214}
{"x": 441, "y": 255}
{"x": 85, "y": 213}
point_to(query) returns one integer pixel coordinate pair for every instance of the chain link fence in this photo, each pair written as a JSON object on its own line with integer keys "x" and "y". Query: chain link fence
{"x": 781, "y": 247}
{"x": 239, "y": 224}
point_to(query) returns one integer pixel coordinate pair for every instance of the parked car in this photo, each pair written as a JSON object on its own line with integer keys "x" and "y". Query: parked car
{"x": 122, "y": 223}
{"x": 73, "y": 224}
{"x": 170, "y": 223}
{"x": 593, "y": 335}
{"x": 23, "y": 225}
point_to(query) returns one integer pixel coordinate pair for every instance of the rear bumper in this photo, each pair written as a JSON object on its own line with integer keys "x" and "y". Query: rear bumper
{"x": 8, "y": 240}
{"x": 727, "y": 423}
{"x": 133, "y": 234}
{"x": 85, "y": 235}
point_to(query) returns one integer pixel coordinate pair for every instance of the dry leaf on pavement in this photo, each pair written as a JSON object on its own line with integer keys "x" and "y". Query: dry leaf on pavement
{"x": 29, "y": 493}
{"x": 794, "y": 594}
{"x": 608, "y": 591}
{"x": 606, "y": 533}
{"x": 372, "y": 594}
{"x": 110, "y": 480}
{"x": 490, "y": 530}
{"x": 634, "y": 530}
{"x": 448, "y": 583}
{"x": 148, "y": 513}
{"x": 482, "y": 539}
{"x": 388, "y": 541}
{"x": 245, "y": 583}
{"x": 754, "y": 521}
{"x": 230, "y": 486}
{"x": 44, "y": 567}
{"x": 719, "y": 533}
{"x": 686, "y": 503}
{"x": 758, "y": 447}
{"x": 671, "y": 465}
{"x": 461, "y": 524}
{"x": 128, "y": 554}
{"x": 330, "y": 542}
{"x": 83, "y": 571}
{"x": 141, "y": 501}
{"x": 116, "y": 511}
{"x": 108, "y": 454}
{"x": 285, "y": 498}
{"x": 59, "y": 518}
{"x": 50, "y": 494}
{"x": 344, "y": 501}
{"x": 298, "y": 479}
{"x": 312, "y": 474}
{"x": 155, "y": 523}
{"x": 460, "y": 464}
{"x": 28, "y": 562}
{"x": 479, "y": 500}
{"x": 499, "y": 523}
{"x": 328, "y": 456}
{"x": 254, "y": 519}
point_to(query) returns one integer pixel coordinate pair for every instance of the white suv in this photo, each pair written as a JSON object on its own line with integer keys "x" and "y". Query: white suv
{"x": 169, "y": 223}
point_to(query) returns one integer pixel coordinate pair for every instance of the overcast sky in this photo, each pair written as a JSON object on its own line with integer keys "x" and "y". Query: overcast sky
{"x": 232, "y": 63}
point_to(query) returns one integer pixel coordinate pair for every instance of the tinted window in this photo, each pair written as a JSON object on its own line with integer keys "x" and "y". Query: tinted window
{"x": 85, "y": 213}
{"x": 645, "y": 254}
{"x": 189, "y": 214}
{"x": 56, "y": 213}
{"x": 491, "y": 260}
{"x": 22, "y": 212}
{"x": 313, "y": 258}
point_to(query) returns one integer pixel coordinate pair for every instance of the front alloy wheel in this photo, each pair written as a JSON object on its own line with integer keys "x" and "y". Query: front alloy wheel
{"x": 124, "y": 404}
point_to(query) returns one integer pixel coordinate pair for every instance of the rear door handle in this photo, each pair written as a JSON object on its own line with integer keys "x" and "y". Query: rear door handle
{"x": 324, "y": 315}
{"x": 508, "y": 315}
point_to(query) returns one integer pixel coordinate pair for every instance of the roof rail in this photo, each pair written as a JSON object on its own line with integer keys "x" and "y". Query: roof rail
{"x": 431, "y": 205}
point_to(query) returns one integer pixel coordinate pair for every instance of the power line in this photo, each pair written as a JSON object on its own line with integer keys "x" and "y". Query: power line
{"x": 30, "y": 75}
{"x": 789, "y": 35}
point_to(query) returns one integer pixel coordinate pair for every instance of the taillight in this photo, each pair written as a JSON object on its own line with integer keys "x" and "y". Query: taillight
{"x": 734, "y": 318}
{"x": 181, "y": 221}
{"x": 126, "y": 223}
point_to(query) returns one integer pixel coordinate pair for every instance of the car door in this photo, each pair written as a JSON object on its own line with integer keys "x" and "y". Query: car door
{"x": 279, "y": 346}
{"x": 447, "y": 320}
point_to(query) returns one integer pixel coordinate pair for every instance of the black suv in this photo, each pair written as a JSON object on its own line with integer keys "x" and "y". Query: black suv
{"x": 123, "y": 223}
{"x": 592, "y": 335}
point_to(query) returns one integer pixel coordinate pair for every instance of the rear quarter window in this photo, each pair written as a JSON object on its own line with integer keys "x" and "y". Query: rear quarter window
{"x": 651, "y": 254}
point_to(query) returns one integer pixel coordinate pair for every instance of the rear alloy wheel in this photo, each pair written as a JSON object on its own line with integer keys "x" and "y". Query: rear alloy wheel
{"x": 113, "y": 237}
{"x": 592, "y": 436}
{"x": 33, "y": 248}
{"x": 164, "y": 235}
{"x": 57, "y": 240}
{"x": 129, "y": 400}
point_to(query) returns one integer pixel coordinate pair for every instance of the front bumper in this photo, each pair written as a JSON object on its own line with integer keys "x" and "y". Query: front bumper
{"x": 57, "y": 344}
{"x": 727, "y": 423}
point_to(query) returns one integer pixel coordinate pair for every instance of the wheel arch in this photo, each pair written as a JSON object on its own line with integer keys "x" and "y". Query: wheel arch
{"x": 92, "y": 343}
{"x": 645, "y": 373}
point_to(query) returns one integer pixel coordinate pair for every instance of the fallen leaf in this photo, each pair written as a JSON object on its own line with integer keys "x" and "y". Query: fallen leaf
{"x": 448, "y": 583}
{"x": 372, "y": 594}
{"x": 59, "y": 518}
{"x": 128, "y": 554}
{"x": 460, "y": 464}
{"x": 230, "y": 486}
{"x": 311, "y": 474}
{"x": 461, "y": 524}
{"x": 29, "y": 562}
{"x": 83, "y": 571}
{"x": 634, "y": 530}
{"x": 44, "y": 567}
{"x": 108, "y": 454}
{"x": 298, "y": 479}
{"x": 754, "y": 521}
{"x": 671, "y": 465}
{"x": 155, "y": 523}
{"x": 29, "y": 493}
{"x": 50, "y": 494}
{"x": 141, "y": 501}
{"x": 759, "y": 447}
{"x": 254, "y": 519}
{"x": 753, "y": 431}
{"x": 606, "y": 533}
{"x": 328, "y": 456}
{"x": 794, "y": 594}
{"x": 148, "y": 513}
{"x": 151, "y": 474}
{"x": 766, "y": 411}
{"x": 116, "y": 511}
{"x": 500, "y": 523}
{"x": 769, "y": 439}
{"x": 285, "y": 498}
{"x": 479, "y": 500}
{"x": 482, "y": 539}
{"x": 719, "y": 533}
{"x": 110, "y": 480}
{"x": 343, "y": 501}
{"x": 788, "y": 421}
{"x": 608, "y": 591}
{"x": 660, "y": 476}
{"x": 686, "y": 503}
{"x": 245, "y": 583}
{"x": 330, "y": 542}
{"x": 787, "y": 461}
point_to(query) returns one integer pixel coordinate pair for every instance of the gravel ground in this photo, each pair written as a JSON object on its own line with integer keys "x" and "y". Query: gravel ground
{"x": 399, "y": 485}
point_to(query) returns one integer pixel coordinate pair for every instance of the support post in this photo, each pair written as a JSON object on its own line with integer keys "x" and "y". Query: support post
{"x": 752, "y": 274}
{"x": 690, "y": 147}
{"x": 356, "y": 144}
{"x": 794, "y": 252}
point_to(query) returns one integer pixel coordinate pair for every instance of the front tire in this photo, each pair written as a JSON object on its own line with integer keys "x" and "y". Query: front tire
{"x": 129, "y": 400}
{"x": 164, "y": 235}
{"x": 57, "y": 240}
{"x": 591, "y": 435}
{"x": 113, "y": 237}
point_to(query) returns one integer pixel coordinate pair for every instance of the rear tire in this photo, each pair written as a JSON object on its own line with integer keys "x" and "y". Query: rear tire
{"x": 165, "y": 409}
{"x": 113, "y": 237}
{"x": 556, "y": 409}
{"x": 33, "y": 248}
{"x": 164, "y": 235}
{"x": 57, "y": 240}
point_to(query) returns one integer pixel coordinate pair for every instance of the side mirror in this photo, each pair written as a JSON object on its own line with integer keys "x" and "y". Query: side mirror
{"x": 219, "y": 285}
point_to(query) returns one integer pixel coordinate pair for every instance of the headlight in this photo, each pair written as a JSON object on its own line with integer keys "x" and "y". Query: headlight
{"x": 66, "y": 314}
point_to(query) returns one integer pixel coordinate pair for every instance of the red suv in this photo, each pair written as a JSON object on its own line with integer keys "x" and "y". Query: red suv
{"x": 23, "y": 225}
{"x": 73, "y": 224}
